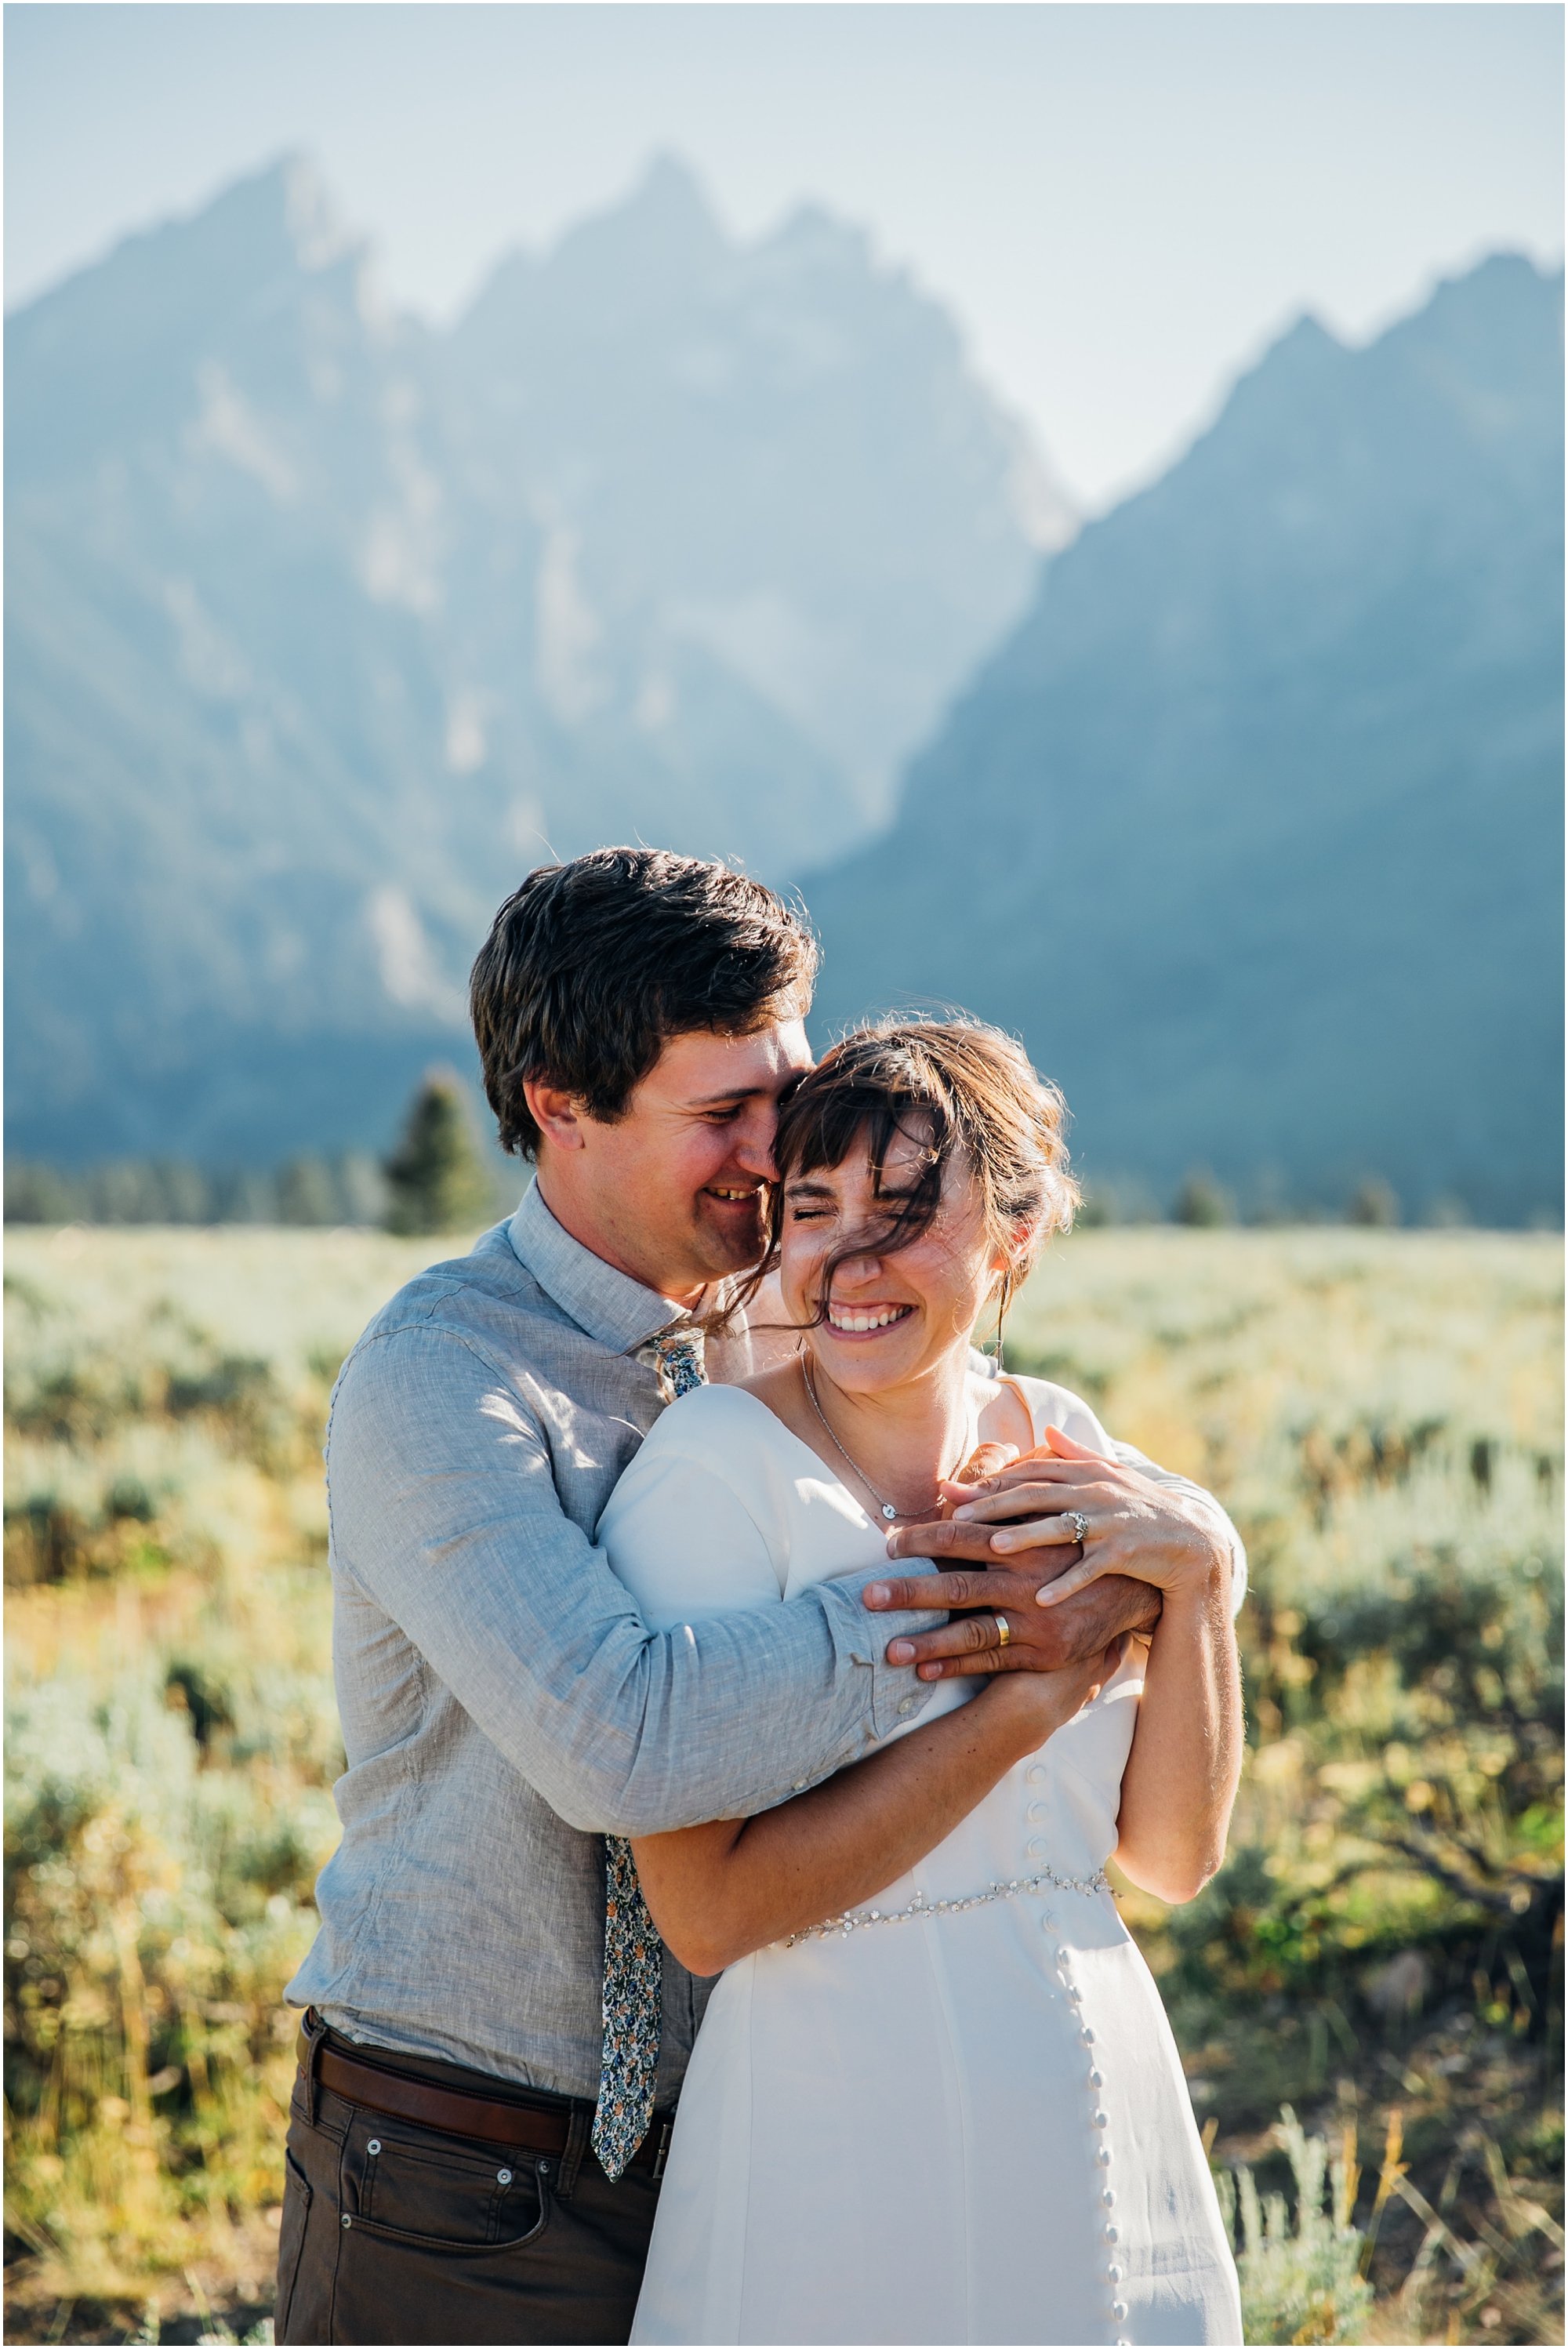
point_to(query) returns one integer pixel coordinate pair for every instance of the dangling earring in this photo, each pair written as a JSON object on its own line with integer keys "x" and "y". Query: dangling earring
{"x": 1002, "y": 1304}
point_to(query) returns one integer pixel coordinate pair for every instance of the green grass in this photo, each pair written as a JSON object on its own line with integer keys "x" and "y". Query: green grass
{"x": 1382, "y": 1953}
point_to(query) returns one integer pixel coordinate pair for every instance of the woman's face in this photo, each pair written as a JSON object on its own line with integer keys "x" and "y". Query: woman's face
{"x": 892, "y": 1318}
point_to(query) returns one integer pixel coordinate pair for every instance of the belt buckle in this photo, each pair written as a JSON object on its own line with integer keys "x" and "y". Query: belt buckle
{"x": 666, "y": 2129}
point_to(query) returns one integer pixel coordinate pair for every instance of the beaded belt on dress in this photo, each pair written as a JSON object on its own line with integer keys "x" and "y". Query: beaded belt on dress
{"x": 852, "y": 1920}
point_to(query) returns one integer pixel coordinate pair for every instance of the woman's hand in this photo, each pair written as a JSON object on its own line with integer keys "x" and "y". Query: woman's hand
{"x": 1126, "y": 1524}
{"x": 1042, "y": 1702}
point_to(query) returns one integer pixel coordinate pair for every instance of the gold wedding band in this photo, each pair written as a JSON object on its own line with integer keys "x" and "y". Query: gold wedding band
{"x": 1004, "y": 1629}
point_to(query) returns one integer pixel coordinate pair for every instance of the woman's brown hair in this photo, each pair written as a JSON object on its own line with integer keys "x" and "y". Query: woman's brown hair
{"x": 956, "y": 1088}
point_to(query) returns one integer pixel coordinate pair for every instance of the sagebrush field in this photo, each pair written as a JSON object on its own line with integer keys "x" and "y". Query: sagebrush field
{"x": 1382, "y": 1413}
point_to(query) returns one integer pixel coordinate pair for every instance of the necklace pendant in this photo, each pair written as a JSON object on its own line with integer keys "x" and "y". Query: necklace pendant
{"x": 888, "y": 1510}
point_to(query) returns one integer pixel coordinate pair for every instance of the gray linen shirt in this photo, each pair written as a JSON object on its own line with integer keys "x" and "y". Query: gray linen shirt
{"x": 503, "y": 1703}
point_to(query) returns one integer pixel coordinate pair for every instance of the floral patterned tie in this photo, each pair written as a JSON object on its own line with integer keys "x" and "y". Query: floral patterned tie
{"x": 634, "y": 1954}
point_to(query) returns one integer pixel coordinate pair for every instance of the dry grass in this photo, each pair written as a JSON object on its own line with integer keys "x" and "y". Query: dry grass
{"x": 1382, "y": 1412}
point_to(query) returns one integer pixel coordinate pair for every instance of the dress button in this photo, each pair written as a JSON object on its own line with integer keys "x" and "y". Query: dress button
{"x": 1036, "y": 1848}
{"x": 1100, "y": 2120}
{"x": 1108, "y": 2198}
{"x": 1103, "y": 2159}
{"x": 1038, "y": 1811}
{"x": 1087, "y": 2035}
{"x": 1112, "y": 2235}
{"x": 1036, "y": 1774}
{"x": 1118, "y": 2310}
{"x": 1097, "y": 2079}
{"x": 1113, "y": 2275}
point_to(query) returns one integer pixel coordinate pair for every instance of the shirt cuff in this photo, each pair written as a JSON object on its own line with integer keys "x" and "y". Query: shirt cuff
{"x": 894, "y": 1695}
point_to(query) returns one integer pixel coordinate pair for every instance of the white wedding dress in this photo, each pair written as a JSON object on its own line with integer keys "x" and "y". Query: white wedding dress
{"x": 971, "y": 2125}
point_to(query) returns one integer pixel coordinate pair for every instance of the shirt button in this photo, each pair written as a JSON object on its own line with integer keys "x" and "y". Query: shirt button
{"x": 800, "y": 1784}
{"x": 908, "y": 1705}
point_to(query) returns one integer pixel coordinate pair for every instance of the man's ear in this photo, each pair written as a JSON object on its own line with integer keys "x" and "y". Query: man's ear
{"x": 557, "y": 1113}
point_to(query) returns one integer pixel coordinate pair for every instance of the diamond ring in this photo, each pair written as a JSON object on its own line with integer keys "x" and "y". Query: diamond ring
{"x": 1080, "y": 1524}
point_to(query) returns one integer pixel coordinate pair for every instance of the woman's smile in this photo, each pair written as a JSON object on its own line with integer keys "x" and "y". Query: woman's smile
{"x": 865, "y": 1320}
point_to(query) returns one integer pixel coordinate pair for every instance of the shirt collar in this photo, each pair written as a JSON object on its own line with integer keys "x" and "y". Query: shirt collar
{"x": 609, "y": 1305}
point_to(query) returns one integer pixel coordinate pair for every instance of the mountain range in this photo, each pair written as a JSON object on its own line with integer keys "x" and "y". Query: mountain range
{"x": 1253, "y": 828}
{"x": 1242, "y": 803}
{"x": 322, "y": 626}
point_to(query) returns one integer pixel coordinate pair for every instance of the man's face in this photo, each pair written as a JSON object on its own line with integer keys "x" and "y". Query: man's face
{"x": 674, "y": 1191}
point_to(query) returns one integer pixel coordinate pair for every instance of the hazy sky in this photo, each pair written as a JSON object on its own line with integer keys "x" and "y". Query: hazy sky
{"x": 1123, "y": 204}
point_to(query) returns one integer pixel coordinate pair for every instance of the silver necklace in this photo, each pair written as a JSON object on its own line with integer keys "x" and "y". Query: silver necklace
{"x": 884, "y": 1504}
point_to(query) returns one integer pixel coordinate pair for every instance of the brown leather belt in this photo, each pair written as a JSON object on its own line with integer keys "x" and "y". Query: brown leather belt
{"x": 455, "y": 2112}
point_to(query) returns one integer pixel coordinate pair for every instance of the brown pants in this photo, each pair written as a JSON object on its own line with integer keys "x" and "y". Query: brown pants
{"x": 392, "y": 2232}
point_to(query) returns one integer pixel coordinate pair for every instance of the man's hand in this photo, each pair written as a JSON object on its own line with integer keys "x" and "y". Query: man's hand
{"x": 1040, "y": 1640}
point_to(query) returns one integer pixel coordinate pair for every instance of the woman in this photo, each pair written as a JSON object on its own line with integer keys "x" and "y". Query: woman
{"x": 955, "y": 2112}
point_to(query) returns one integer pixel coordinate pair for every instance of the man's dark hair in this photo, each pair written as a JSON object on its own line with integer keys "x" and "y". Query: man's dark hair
{"x": 590, "y": 967}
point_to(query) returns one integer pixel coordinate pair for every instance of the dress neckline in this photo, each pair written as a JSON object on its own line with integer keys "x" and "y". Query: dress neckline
{"x": 825, "y": 1474}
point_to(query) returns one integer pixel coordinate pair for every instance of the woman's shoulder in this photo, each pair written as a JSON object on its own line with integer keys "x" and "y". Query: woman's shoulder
{"x": 726, "y": 1428}
{"x": 1050, "y": 1405}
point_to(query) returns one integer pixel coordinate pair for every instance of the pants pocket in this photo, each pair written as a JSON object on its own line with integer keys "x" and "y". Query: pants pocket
{"x": 298, "y": 2201}
{"x": 437, "y": 2193}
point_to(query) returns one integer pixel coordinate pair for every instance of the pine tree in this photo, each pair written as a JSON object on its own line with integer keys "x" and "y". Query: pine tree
{"x": 1373, "y": 1202}
{"x": 436, "y": 1176}
{"x": 1203, "y": 1202}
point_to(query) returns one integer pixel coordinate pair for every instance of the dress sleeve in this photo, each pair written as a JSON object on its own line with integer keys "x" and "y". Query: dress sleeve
{"x": 687, "y": 1546}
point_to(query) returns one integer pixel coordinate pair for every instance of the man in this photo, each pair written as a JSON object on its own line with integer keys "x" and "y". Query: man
{"x": 474, "y": 1999}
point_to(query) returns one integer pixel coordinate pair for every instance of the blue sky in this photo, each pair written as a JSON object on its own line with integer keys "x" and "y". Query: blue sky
{"x": 1122, "y": 202}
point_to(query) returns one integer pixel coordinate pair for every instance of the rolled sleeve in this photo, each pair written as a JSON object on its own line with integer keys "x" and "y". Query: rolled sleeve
{"x": 445, "y": 1514}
